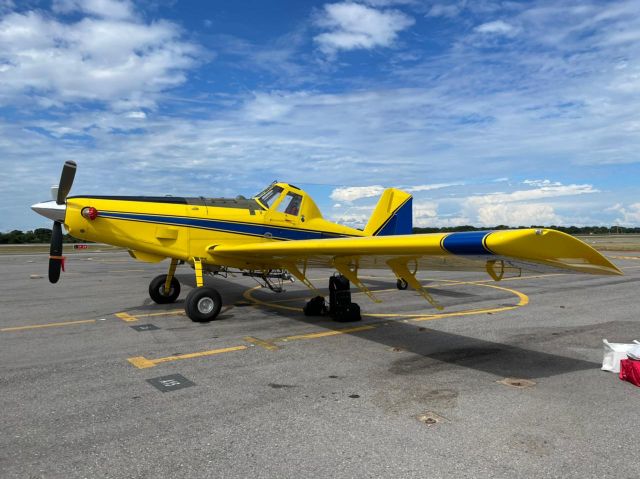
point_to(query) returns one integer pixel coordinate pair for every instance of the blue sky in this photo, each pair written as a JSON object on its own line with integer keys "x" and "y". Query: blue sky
{"x": 489, "y": 112}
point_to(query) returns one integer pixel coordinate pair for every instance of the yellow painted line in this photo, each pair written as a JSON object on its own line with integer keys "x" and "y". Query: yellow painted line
{"x": 161, "y": 313}
{"x": 141, "y": 362}
{"x": 523, "y": 301}
{"x": 268, "y": 345}
{"x": 324, "y": 334}
{"x": 637, "y": 258}
{"x": 47, "y": 325}
{"x": 126, "y": 317}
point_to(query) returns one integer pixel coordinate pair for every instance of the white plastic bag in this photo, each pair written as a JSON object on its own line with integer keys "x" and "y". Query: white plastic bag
{"x": 634, "y": 352}
{"x": 613, "y": 353}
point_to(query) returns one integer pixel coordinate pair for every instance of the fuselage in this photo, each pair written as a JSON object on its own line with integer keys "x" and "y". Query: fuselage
{"x": 154, "y": 228}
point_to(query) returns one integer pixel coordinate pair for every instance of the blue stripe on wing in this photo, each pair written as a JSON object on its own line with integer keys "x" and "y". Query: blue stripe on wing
{"x": 466, "y": 243}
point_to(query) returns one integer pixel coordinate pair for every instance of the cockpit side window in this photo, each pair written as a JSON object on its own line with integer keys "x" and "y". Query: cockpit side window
{"x": 269, "y": 197}
{"x": 290, "y": 205}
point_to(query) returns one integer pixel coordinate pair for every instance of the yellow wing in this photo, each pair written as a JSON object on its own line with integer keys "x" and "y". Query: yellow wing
{"x": 526, "y": 249}
{"x": 499, "y": 253}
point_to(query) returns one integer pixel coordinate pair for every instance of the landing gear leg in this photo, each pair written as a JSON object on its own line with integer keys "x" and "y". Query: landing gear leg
{"x": 203, "y": 303}
{"x": 165, "y": 288}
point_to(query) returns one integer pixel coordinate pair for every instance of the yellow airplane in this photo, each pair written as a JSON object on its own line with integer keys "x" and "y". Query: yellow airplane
{"x": 280, "y": 234}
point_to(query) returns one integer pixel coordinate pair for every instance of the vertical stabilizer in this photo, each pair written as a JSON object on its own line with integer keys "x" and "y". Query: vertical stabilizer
{"x": 393, "y": 214}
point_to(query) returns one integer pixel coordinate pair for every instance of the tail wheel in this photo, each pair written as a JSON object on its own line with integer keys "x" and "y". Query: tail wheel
{"x": 401, "y": 284}
{"x": 203, "y": 304}
{"x": 156, "y": 290}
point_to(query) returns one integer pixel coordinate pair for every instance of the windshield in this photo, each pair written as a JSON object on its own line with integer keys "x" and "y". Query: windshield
{"x": 270, "y": 196}
{"x": 290, "y": 204}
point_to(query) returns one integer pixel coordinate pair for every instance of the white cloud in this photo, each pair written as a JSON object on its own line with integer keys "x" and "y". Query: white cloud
{"x": 116, "y": 9}
{"x": 268, "y": 106}
{"x": 355, "y": 26}
{"x": 497, "y": 27}
{"x": 547, "y": 191}
{"x": 425, "y": 213}
{"x": 434, "y": 186}
{"x": 630, "y": 215}
{"x": 522, "y": 207}
{"x": 139, "y": 115}
{"x": 541, "y": 183}
{"x": 353, "y": 193}
{"x": 517, "y": 214}
{"x": 444, "y": 10}
{"x": 110, "y": 59}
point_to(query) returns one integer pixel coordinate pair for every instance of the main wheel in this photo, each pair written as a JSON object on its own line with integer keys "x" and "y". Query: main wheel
{"x": 401, "y": 284}
{"x": 156, "y": 289}
{"x": 203, "y": 304}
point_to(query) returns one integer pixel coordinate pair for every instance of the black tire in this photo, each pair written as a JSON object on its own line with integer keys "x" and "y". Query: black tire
{"x": 401, "y": 284}
{"x": 156, "y": 290}
{"x": 203, "y": 304}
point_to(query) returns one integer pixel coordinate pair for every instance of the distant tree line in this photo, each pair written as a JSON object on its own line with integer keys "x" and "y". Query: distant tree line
{"x": 39, "y": 235}
{"x": 572, "y": 230}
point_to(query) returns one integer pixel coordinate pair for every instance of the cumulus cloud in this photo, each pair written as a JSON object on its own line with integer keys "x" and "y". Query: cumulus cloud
{"x": 629, "y": 215}
{"x": 523, "y": 207}
{"x": 425, "y": 213}
{"x": 354, "y": 26}
{"x": 517, "y": 214}
{"x": 107, "y": 56}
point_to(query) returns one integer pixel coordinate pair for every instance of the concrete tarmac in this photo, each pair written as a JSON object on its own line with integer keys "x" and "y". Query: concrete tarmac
{"x": 406, "y": 392}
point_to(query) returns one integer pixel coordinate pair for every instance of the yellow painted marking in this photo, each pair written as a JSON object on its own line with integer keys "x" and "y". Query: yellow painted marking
{"x": 626, "y": 257}
{"x": 324, "y": 334}
{"x": 268, "y": 345}
{"x": 161, "y": 313}
{"x": 126, "y": 317}
{"x": 523, "y": 301}
{"x": 47, "y": 325}
{"x": 141, "y": 362}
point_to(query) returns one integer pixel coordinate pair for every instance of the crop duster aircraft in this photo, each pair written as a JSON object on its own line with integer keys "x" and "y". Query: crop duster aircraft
{"x": 280, "y": 233}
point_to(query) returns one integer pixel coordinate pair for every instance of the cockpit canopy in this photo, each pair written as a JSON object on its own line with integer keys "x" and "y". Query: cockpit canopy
{"x": 287, "y": 199}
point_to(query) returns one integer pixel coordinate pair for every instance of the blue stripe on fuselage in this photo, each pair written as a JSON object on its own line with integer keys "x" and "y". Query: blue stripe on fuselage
{"x": 224, "y": 226}
{"x": 466, "y": 243}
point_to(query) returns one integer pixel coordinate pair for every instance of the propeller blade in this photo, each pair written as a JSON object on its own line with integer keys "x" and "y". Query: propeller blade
{"x": 55, "y": 253}
{"x": 66, "y": 180}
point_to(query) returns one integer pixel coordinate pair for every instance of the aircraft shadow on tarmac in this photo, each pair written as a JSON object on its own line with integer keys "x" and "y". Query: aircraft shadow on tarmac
{"x": 438, "y": 350}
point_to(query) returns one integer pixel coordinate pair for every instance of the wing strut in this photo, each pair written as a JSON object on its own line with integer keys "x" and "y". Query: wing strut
{"x": 349, "y": 270}
{"x": 300, "y": 275}
{"x": 401, "y": 270}
{"x": 491, "y": 269}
